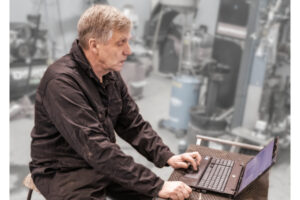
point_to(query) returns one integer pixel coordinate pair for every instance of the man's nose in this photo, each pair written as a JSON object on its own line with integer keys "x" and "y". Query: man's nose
{"x": 127, "y": 50}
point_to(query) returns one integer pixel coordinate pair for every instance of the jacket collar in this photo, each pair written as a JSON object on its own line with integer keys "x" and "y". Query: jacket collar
{"x": 78, "y": 55}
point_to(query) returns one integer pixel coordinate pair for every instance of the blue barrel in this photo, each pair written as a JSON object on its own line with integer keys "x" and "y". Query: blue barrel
{"x": 184, "y": 95}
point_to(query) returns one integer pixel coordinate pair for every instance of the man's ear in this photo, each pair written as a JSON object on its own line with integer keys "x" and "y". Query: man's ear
{"x": 93, "y": 45}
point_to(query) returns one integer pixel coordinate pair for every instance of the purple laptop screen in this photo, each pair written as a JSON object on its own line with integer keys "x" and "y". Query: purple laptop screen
{"x": 257, "y": 165}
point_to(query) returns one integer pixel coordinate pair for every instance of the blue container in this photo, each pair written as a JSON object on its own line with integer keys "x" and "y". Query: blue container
{"x": 184, "y": 95}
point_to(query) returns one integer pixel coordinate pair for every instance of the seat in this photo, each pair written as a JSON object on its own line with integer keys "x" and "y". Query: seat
{"x": 28, "y": 182}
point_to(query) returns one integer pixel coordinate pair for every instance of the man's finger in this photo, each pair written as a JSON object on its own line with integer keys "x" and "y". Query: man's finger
{"x": 197, "y": 156}
{"x": 173, "y": 196}
{"x": 180, "y": 195}
{"x": 190, "y": 159}
{"x": 185, "y": 194}
{"x": 185, "y": 191}
{"x": 188, "y": 188}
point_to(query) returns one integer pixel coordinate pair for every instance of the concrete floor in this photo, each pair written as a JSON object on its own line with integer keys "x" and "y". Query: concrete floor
{"x": 154, "y": 106}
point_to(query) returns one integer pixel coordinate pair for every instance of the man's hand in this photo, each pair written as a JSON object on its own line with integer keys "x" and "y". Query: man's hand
{"x": 182, "y": 160}
{"x": 175, "y": 190}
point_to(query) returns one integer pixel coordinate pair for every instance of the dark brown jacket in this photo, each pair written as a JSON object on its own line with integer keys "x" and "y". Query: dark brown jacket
{"x": 76, "y": 118}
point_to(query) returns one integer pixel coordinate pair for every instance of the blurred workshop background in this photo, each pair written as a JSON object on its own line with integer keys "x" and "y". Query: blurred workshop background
{"x": 218, "y": 68}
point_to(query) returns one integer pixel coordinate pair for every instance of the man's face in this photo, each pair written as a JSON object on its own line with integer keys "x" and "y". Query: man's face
{"x": 112, "y": 55}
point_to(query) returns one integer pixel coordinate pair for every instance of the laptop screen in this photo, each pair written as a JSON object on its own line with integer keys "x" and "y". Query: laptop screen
{"x": 257, "y": 165}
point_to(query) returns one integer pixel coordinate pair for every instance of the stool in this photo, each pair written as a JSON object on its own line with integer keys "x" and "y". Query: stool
{"x": 28, "y": 182}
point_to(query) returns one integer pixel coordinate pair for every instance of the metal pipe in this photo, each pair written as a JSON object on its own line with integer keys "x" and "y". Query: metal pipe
{"x": 157, "y": 28}
{"x": 232, "y": 143}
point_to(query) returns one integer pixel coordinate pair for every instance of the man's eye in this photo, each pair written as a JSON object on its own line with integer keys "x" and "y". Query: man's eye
{"x": 121, "y": 43}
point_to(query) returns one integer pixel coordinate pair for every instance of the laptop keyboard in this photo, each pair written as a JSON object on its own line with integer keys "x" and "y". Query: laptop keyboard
{"x": 216, "y": 174}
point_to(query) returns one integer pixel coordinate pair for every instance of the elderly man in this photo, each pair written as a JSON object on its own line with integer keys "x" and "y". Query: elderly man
{"x": 80, "y": 104}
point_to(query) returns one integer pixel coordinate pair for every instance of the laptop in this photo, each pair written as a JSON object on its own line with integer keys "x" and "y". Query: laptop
{"x": 229, "y": 178}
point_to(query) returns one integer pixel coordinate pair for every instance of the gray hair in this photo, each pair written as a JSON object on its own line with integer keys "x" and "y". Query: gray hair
{"x": 99, "y": 22}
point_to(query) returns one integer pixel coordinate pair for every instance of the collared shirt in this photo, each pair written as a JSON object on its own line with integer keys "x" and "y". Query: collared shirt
{"x": 76, "y": 118}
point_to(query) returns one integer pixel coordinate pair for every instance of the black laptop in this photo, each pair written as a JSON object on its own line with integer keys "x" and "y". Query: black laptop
{"x": 230, "y": 177}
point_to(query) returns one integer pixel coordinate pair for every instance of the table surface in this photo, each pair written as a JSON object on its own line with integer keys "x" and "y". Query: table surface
{"x": 256, "y": 191}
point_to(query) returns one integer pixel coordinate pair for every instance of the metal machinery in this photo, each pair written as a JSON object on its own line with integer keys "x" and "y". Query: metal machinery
{"x": 262, "y": 106}
{"x": 246, "y": 43}
{"x": 245, "y": 75}
{"x": 263, "y": 73}
{"x": 185, "y": 86}
{"x": 162, "y": 35}
{"x": 193, "y": 66}
{"x": 28, "y": 56}
{"x": 28, "y": 62}
{"x": 236, "y": 20}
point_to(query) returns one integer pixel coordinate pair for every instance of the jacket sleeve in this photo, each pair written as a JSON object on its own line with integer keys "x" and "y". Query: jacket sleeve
{"x": 79, "y": 124}
{"x": 135, "y": 130}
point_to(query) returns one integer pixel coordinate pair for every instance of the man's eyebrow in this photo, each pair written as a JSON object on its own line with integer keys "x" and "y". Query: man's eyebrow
{"x": 124, "y": 38}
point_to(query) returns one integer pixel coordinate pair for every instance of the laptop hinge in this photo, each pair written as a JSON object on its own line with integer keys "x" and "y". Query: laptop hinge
{"x": 241, "y": 177}
{"x": 275, "y": 150}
